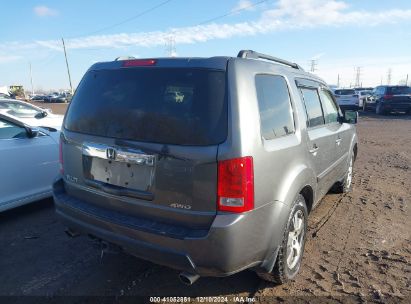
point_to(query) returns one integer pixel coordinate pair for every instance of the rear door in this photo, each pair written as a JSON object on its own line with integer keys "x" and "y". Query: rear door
{"x": 28, "y": 166}
{"x": 321, "y": 138}
{"x": 143, "y": 141}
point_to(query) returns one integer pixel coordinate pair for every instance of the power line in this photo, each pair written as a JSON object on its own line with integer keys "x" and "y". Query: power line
{"x": 165, "y": 2}
{"x": 232, "y": 12}
{"x": 127, "y": 20}
{"x": 49, "y": 59}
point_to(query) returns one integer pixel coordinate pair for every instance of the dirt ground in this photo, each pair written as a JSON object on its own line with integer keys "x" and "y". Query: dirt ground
{"x": 358, "y": 249}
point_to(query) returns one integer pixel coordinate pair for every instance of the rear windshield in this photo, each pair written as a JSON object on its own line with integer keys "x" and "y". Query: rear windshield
{"x": 399, "y": 90}
{"x": 162, "y": 105}
{"x": 344, "y": 92}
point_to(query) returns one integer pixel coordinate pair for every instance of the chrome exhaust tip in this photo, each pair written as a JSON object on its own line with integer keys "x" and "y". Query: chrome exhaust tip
{"x": 188, "y": 278}
{"x": 71, "y": 233}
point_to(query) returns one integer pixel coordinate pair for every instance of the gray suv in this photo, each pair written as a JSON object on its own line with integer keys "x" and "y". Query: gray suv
{"x": 206, "y": 165}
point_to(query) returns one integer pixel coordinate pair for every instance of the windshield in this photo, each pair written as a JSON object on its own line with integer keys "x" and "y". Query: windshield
{"x": 365, "y": 93}
{"x": 344, "y": 92}
{"x": 19, "y": 109}
{"x": 2, "y": 95}
{"x": 164, "y": 105}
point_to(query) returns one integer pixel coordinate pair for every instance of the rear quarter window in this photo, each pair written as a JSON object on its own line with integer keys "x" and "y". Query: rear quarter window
{"x": 276, "y": 116}
{"x": 399, "y": 90}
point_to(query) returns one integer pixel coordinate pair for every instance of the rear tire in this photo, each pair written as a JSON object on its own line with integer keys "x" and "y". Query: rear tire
{"x": 379, "y": 110}
{"x": 291, "y": 250}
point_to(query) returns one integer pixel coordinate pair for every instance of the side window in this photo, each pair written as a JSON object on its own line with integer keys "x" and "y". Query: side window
{"x": 380, "y": 90}
{"x": 313, "y": 107}
{"x": 274, "y": 105}
{"x": 10, "y": 131}
{"x": 329, "y": 106}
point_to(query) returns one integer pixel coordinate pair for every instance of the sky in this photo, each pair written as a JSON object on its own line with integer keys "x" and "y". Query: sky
{"x": 340, "y": 35}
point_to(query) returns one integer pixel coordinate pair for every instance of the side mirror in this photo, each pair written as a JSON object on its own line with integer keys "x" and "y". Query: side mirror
{"x": 42, "y": 114}
{"x": 47, "y": 110}
{"x": 350, "y": 117}
{"x": 32, "y": 132}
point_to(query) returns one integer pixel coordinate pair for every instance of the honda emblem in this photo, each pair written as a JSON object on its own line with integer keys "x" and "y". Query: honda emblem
{"x": 111, "y": 153}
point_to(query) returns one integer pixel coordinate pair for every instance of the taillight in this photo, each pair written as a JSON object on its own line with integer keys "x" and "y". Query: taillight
{"x": 61, "y": 156}
{"x": 235, "y": 187}
{"x": 139, "y": 62}
{"x": 388, "y": 96}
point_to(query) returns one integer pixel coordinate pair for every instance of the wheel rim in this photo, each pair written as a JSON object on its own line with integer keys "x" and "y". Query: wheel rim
{"x": 295, "y": 239}
{"x": 349, "y": 175}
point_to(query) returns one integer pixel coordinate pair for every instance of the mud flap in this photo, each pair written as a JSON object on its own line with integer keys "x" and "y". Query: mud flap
{"x": 268, "y": 264}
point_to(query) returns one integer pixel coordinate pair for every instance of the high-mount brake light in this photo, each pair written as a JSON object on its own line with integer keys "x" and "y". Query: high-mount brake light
{"x": 235, "y": 186}
{"x": 139, "y": 62}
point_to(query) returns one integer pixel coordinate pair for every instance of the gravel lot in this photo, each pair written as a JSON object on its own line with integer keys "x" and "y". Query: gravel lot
{"x": 57, "y": 108}
{"x": 358, "y": 249}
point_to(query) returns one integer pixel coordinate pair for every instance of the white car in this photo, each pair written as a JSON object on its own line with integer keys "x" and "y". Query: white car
{"x": 30, "y": 114}
{"x": 348, "y": 99}
{"x": 29, "y": 162}
{"x": 364, "y": 97}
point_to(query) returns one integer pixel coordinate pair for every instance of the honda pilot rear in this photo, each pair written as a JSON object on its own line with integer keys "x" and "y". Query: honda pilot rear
{"x": 139, "y": 163}
{"x": 206, "y": 165}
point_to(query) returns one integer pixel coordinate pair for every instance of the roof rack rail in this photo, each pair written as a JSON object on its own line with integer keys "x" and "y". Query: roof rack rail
{"x": 255, "y": 55}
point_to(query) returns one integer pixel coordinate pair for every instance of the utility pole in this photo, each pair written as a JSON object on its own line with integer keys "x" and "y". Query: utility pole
{"x": 68, "y": 69}
{"x": 389, "y": 76}
{"x": 406, "y": 80}
{"x": 338, "y": 81}
{"x": 31, "y": 80}
{"x": 313, "y": 65}
{"x": 357, "y": 76}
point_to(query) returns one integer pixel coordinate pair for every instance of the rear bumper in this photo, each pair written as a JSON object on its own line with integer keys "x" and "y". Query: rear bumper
{"x": 396, "y": 106}
{"x": 233, "y": 242}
